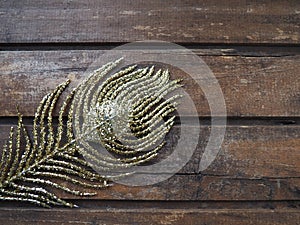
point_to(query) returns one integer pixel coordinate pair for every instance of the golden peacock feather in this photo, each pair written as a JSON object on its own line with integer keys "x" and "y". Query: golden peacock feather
{"x": 125, "y": 112}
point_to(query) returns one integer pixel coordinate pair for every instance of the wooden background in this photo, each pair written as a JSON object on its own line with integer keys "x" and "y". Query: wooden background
{"x": 253, "y": 49}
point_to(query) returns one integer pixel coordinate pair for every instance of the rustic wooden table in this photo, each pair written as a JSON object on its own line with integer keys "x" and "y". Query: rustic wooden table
{"x": 252, "y": 47}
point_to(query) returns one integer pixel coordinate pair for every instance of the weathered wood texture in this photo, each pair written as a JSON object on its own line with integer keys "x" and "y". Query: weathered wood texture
{"x": 254, "y": 163}
{"x": 149, "y": 216}
{"x": 93, "y": 21}
{"x": 253, "y": 49}
{"x": 252, "y": 86}
{"x": 250, "y": 152}
{"x": 184, "y": 187}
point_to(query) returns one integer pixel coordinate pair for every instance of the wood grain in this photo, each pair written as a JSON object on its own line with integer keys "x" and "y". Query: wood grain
{"x": 254, "y": 163}
{"x": 253, "y": 49}
{"x": 91, "y": 21}
{"x": 250, "y": 152}
{"x": 23, "y": 216}
{"x": 184, "y": 187}
{"x": 252, "y": 86}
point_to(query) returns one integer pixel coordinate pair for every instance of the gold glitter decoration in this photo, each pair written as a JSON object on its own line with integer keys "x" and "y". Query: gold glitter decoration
{"x": 127, "y": 114}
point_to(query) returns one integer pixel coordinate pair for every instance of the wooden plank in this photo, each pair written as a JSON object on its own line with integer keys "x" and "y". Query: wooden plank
{"x": 255, "y": 163}
{"x": 90, "y": 21}
{"x": 198, "y": 188}
{"x": 22, "y": 216}
{"x": 250, "y": 152}
{"x": 252, "y": 86}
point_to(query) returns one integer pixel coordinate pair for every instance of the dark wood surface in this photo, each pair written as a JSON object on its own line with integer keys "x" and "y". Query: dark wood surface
{"x": 250, "y": 152}
{"x": 92, "y": 21}
{"x": 149, "y": 216}
{"x": 252, "y": 47}
{"x": 251, "y": 166}
{"x": 267, "y": 85}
